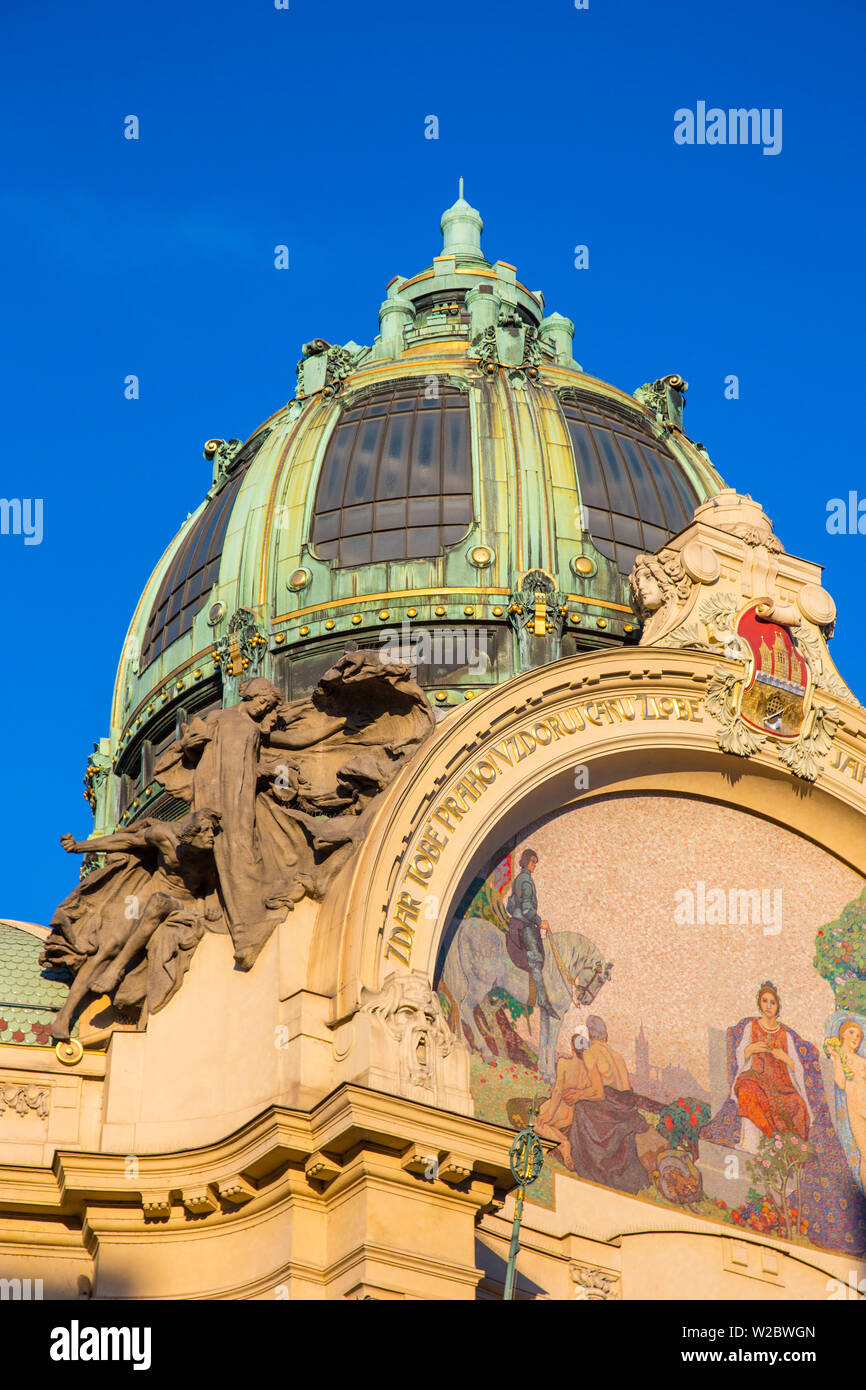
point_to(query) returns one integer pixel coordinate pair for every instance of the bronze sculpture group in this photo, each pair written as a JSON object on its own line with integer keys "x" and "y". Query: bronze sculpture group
{"x": 279, "y": 795}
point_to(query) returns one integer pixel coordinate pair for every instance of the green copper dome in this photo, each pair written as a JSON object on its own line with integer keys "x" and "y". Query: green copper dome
{"x": 461, "y": 474}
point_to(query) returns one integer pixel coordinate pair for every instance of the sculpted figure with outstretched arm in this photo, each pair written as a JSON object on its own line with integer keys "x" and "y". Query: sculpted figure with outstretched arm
{"x": 177, "y": 892}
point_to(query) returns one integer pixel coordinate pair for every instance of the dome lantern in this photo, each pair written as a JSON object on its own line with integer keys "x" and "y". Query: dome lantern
{"x": 461, "y": 227}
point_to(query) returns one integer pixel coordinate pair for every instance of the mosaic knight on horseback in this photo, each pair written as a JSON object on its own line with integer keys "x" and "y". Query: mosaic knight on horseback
{"x": 526, "y": 932}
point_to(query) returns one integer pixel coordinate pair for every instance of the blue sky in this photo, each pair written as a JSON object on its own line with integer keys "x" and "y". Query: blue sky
{"x": 305, "y": 127}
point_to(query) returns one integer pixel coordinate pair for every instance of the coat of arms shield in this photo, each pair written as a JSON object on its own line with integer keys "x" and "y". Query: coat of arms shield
{"x": 776, "y": 692}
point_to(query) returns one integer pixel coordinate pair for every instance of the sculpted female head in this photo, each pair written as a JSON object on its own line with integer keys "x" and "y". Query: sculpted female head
{"x": 259, "y": 696}
{"x": 656, "y": 580}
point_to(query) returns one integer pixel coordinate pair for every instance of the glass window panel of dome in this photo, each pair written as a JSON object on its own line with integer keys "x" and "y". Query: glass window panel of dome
{"x": 457, "y": 508}
{"x": 333, "y": 476}
{"x": 203, "y": 544}
{"x": 393, "y": 480}
{"x": 592, "y": 489}
{"x": 361, "y": 479}
{"x": 212, "y": 526}
{"x": 619, "y": 488}
{"x": 210, "y": 570}
{"x": 328, "y": 550}
{"x": 456, "y": 654}
{"x": 598, "y": 522}
{"x": 169, "y": 633}
{"x": 675, "y": 513}
{"x": 594, "y": 418}
{"x": 191, "y": 604}
{"x": 604, "y": 547}
{"x": 686, "y": 492}
{"x": 356, "y": 550}
{"x": 425, "y": 469}
{"x": 326, "y": 527}
{"x": 424, "y": 511}
{"x": 175, "y": 601}
{"x": 423, "y": 542}
{"x": 156, "y": 619}
{"x": 452, "y": 534}
{"x": 389, "y": 545}
{"x": 388, "y": 515}
{"x": 654, "y": 537}
{"x": 357, "y": 521}
{"x": 626, "y": 530}
{"x": 169, "y": 597}
{"x": 305, "y": 672}
{"x": 191, "y": 607}
{"x": 209, "y": 524}
{"x": 211, "y": 575}
{"x": 625, "y": 558}
{"x": 457, "y": 457}
{"x": 209, "y": 543}
{"x": 648, "y": 501}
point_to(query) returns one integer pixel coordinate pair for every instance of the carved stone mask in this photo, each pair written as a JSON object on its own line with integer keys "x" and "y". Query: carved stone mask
{"x": 413, "y": 1015}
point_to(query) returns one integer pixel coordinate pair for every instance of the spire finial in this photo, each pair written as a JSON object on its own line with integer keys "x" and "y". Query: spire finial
{"x": 461, "y": 228}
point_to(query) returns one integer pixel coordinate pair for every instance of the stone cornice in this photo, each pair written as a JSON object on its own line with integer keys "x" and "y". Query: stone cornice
{"x": 280, "y": 1153}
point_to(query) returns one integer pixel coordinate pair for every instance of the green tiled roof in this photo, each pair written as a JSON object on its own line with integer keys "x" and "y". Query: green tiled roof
{"x": 29, "y": 996}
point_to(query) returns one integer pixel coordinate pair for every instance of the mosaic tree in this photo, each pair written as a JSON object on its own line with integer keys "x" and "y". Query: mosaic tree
{"x": 840, "y": 955}
{"x": 778, "y": 1163}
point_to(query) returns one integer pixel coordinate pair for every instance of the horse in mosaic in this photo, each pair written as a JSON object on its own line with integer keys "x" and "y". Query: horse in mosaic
{"x": 477, "y": 963}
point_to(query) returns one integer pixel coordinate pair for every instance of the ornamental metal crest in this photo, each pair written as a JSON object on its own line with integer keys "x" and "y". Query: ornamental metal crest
{"x": 242, "y": 645}
{"x": 771, "y": 698}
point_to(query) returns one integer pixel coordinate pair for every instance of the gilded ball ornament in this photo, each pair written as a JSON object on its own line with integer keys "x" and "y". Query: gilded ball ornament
{"x": 583, "y": 565}
{"x": 481, "y": 556}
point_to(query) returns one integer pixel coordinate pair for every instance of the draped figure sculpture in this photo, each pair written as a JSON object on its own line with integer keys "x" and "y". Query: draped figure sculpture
{"x": 135, "y": 922}
{"x": 280, "y": 793}
{"x": 292, "y": 782}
